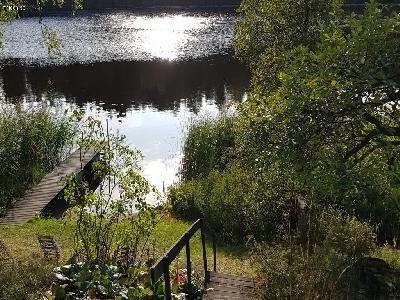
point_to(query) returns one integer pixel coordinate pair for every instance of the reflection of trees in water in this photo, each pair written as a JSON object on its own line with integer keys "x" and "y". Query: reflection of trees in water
{"x": 124, "y": 85}
{"x": 13, "y": 83}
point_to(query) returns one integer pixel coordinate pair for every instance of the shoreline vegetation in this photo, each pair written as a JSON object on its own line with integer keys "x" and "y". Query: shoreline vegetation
{"x": 300, "y": 186}
{"x": 32, "y": 143}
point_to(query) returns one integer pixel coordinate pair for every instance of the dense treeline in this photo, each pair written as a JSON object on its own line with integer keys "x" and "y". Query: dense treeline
{"x": 92, "y": 4}
{"x": 129, "y": 4}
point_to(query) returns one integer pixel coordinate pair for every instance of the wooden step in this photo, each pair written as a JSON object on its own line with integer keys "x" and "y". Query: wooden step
{"x": 224, "y": 286}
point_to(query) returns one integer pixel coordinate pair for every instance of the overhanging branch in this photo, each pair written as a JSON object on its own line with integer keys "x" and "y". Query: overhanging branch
{"x": 361, "y": 145}
{"x": 382, "y": 128}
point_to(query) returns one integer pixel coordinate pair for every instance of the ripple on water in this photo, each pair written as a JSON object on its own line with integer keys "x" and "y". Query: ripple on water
{"x": 122, "y": 36}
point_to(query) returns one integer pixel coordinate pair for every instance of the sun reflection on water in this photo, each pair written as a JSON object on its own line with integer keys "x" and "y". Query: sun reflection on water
{"x": 121, "y": 35}
{"x": 164, "y": 36}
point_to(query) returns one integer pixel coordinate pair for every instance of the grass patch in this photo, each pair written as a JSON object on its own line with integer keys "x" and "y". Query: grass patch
{"x": 389, "y": 254}
{"x": 21, "y": 241}
{"x": 231, "y": 259}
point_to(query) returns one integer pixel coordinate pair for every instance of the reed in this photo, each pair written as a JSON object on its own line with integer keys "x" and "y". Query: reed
{"x": 32, "y": 143}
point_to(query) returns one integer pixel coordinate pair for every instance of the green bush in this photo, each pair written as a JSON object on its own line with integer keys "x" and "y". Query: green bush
{"x": 321, "y": 267}
{"x": 218, "y": 198}
{"x": 239, "y": 196}
{"x": 211, "y": 187}
{"x": 235, "y": 204}
{"x": 32, "y": 143}
{"x": 184, "y": 198}
{"x": 115, "y": 219}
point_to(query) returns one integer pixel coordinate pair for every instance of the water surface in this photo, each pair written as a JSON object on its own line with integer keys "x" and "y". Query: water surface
{"x": 120, "y": 35}
{"x": 149, "y": 74}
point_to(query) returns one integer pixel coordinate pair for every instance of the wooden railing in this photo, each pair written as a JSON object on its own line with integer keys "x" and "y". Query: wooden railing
{"x": 161, "y": 268}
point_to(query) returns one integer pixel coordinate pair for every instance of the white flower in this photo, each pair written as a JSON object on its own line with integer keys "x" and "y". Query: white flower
{"x": 61, "y": 277}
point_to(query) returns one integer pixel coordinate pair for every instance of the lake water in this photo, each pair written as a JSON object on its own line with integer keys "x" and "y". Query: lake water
{"x": 149, "y": 73}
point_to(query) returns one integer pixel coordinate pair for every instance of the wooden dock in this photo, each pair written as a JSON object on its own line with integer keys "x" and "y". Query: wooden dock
{"x": 48, "y": 196}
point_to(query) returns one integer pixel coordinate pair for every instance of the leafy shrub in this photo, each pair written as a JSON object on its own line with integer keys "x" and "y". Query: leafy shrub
{"x": 115, "y": 218}
{"x": 32, "y": 143}
{"x": 234, "y": 203}
{"x": 322, "y": 266}
{"x": 221, "y": 201}
{"x": 78, "y": 281}
{"x": 183, "y": 198}
{"x": 344, "y": 233}
{"x": 217, "y": 198}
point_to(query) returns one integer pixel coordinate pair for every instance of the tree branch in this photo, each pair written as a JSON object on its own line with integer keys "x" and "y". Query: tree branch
{"x": 364, "y": 143}
{"x": 382, "y": 128}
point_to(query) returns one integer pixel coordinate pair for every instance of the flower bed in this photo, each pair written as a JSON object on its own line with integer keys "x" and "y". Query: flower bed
{"x": 90, "y": 281}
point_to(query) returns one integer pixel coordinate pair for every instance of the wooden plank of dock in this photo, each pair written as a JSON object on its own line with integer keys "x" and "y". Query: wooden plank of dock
{"x": 50, "y": 190}
{"x": 224, "y": 286}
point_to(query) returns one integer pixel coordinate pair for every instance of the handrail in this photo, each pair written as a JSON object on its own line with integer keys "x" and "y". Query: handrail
{"x": 161, "y": 268}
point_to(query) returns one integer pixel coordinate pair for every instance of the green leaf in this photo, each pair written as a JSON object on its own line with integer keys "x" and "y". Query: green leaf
{"x": 60, "y": 293}
{"x": 147, "y": 292}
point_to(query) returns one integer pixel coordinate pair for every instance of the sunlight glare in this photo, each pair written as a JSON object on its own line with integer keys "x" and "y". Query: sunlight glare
{"x": 164, "y": 36}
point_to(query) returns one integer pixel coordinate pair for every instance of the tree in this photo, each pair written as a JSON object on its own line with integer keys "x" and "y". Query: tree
{"x": 334, "y": 120}
{"x": 116, "y": 219}
{"x": 272, "y": 27}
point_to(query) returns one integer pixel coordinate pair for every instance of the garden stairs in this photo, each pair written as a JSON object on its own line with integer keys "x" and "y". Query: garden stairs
{"x": 223, "y": 286}
{"x": 217, "y": 285}
{"x": 48, "y": 196}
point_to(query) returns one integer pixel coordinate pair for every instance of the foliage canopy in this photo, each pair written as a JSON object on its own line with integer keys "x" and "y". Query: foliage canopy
{"x": 272, "y": 27}
{"x": 320, "y": 126}
{"x": 333, "y": 121}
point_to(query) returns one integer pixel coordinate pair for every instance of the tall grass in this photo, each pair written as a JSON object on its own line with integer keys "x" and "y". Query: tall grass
{"x": 208, "y": 146}
{"x": 32, "y": 143}
{"x": 212, "y": 186}
{"x": 23, "y": 280}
